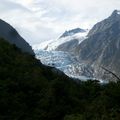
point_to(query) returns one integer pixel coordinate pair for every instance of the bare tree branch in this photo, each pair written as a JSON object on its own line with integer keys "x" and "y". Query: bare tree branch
{"x": 111, "y": 73}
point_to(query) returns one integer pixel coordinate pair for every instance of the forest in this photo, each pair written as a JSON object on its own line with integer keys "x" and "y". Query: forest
{"x": 32, "y": 91}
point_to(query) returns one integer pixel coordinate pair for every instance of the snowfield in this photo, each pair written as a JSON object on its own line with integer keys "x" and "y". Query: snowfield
{"x": 53, "y": 44}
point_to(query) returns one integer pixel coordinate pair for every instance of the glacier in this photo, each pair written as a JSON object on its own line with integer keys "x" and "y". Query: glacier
{"x": 65, "y": 61}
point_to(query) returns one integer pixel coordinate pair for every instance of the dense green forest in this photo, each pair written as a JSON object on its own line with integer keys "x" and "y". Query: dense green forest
{"x": 32, "y": 91}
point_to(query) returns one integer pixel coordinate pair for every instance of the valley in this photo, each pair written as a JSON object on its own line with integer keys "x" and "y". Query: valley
{"x": 72, "y": 77}
{"x": 82, "y": 53}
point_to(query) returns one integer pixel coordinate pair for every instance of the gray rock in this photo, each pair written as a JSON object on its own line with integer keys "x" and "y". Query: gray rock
{"x": 105, "y": 24}
{"x": 69, "y": 46}
{"x": 102, "y": 48}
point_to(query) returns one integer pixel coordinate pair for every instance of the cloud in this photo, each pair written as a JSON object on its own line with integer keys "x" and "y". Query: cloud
{"x": 6, "y": 6}
{"x": 39, "y": 20}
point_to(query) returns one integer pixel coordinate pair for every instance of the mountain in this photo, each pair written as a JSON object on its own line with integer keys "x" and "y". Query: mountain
{"x": 11, "y": 35}
{"x": 105, "y": 24}
{"x": 71, "y": 42}
{"x": 97, "y": 49}
{"x": 30, "y": 90}
{"x": 77, "y": 35}
{"x": 102, "y": 47}
{"x": 59, "y": 53}
{"x": 72, "y": 32}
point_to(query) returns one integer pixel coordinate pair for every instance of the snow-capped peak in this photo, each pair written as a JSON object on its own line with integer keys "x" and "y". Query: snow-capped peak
{"x": 53, "y": 44}
{"x": 72, "y": 32}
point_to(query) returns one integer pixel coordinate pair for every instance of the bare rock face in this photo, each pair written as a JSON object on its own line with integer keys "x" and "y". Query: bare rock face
{"x": 102, "y": 47}
{"x": 68, "y": 46}
{"x": 11, "y": 35}
{"x": 105, "y": 24}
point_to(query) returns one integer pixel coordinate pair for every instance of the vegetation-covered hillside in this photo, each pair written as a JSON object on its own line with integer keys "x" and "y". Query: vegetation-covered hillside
{"x": 32, "y": 91}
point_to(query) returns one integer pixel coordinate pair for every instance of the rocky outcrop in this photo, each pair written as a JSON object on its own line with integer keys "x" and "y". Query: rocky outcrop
{"x": 69, "y": 46}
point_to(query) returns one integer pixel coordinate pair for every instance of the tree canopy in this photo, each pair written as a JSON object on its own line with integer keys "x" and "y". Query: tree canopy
{"x": 32, "y": 91}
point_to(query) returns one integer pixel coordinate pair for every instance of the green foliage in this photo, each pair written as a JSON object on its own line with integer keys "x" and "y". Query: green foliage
{"x": 32, "y": 91}
{"x": 74, "y": 117}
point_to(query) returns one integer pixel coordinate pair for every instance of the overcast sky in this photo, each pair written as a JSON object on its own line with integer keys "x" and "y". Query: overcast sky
{"x": 39, "y": 20}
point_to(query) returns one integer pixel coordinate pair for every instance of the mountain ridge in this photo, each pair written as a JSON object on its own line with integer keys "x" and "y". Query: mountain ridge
{"x": 104, "y": 24}
{"x": 72, "y": 32}
{"x": 11, "y": 35}
{"x": 54, "y": 44}
{"x": 102, "y": 46}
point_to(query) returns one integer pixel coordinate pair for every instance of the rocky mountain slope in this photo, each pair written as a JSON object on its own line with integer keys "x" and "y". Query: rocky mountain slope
{"x": 106, "y": 23}
{"x": 102, "y": 47}
{"x": 11, "y": 35}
